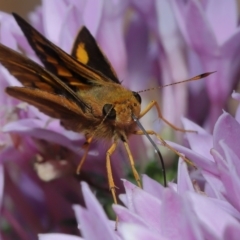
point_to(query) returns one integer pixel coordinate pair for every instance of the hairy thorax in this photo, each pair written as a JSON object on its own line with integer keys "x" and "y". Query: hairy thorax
{"x": 112, "y": 107}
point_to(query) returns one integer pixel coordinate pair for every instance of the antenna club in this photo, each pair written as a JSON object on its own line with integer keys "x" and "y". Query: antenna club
{"x": 200, "y": 76}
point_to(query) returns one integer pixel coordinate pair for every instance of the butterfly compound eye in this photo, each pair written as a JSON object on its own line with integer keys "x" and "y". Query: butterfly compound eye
{"x": 137, "y": 96}
{"x": 109, "y": 111}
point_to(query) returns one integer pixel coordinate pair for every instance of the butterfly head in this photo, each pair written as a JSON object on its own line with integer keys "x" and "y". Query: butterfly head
{"x": 120, "y": 111}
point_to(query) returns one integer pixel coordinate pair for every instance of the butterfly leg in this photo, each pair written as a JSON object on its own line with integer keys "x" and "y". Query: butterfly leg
{"x": 135, "y": 173}
{"x": 150, "y": 132}
{"x": 111, "y": 184}
{"x": 155, "y": 104}
{"x": 109, "y": 169}
{"x": 85, "y": 146}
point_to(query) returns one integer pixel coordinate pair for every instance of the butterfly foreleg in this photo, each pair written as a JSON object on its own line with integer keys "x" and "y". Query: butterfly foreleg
{"x": 131, "y": 160}
{"x": 165, "y": 144}
{"x": 111, "y": 184}
{"x": 155, "y": 104}
{"x": 86, "y": 147}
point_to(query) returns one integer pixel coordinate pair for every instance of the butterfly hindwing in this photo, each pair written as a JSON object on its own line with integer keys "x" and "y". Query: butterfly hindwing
{"x": 87, "y": 51}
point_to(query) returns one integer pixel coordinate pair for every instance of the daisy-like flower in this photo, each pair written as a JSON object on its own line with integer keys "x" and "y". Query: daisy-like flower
{"x": 135, "y": 39}
{"x": 188, "y": 38}
{"x": 211, "y": 32}
{"x": 201, "y": 205}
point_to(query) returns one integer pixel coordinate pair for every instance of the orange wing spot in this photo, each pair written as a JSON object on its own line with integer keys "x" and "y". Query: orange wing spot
{"x": 39, "y": 48}
{"x": 51, "y": 60}
{"x": 43, "y": 86}
{"x": 63, "y": 71}
{"x": 74, "y": 82}
{"x": 82, "y": 54}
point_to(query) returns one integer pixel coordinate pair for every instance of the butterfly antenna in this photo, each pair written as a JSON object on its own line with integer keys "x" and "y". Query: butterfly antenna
{"x": 203, "y": 75}
{"x": 155, "y": 147}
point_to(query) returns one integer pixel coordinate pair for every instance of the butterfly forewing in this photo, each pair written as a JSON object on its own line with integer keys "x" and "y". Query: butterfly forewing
{"x": 29, "y": 73}
{"x": 72, "y": 72}
{"x": 32, "y": 75}
{"x": 86, "y": 51}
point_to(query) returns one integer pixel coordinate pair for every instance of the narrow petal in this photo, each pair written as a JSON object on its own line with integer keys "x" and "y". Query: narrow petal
{"x": 200, "y": 142}
{"x": 126, "y": 216}
{"x": 153, "y": 187}
{"x": 222, "y": 22}
{"x": 227, "y": 129}
{"x": 197, "y": 25}
{"x": 92, "y": 15}
{"x": 35, "y": 128}
{"x": 200, "y": 161}
{"x": 132, "y": 231}
{"x": 58, "y": 236}
{"x": 232, "y": 232}
{"x": 236, "y": 95}
{"x": 213, "y": 219}
{"x": 52, "y": 30}
{"x": 230, "y": 180}
{"x": 93, "y": 217}
{"x": 231, "y": 46}
{"x": 137, "y": 199}
{"x": 184, "y": 181}
{"x": 176, "y": 219}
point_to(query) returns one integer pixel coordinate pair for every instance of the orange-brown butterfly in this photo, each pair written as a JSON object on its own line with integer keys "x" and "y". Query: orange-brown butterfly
{"x": 81, "y": 89}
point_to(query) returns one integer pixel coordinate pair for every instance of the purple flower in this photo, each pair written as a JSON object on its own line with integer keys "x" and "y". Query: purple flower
{"x": 181, "y": 211}
{"x": 59, "y": 236}
{"x": 142, "y": 48}
{"x": 212, "y": 35}
{"x": 203, "y": 204}
{"x": 93, "y": 222}
{"x": 187, "y": 38}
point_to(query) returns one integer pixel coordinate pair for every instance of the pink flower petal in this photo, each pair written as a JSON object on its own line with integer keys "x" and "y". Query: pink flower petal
{"x": 131, "y": 231}
{"x": 176, "y": 219}
{"x": 236, "y": 95}
{"x": 200, "y": 161}
{"x": 232, "y": 232}
{"x": 198, "y": 25}
{"x": 93, "y": 217}
{"x": 34, "y": 128}
{"x": 93, "y": 12}
{"x": 184, "y": 181}
{"x": 152, "y": 187}
{"x": 200, "y": 142}
{"x": 213, "y": 219}
{"x": 111, "y": 36}
{"x": 53, "y": 22}
{"x": 230, "y": 180}
{"x": 58, "y": 236}
{"x": 222, "y": 22}
{"x": 125, "y": 216}
{"x": 227, "y": 129}
{"x": 137, "y": 199}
